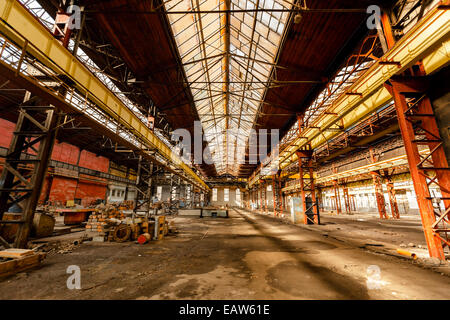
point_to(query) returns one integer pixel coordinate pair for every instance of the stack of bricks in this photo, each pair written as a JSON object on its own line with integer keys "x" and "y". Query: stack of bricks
{"x": 96, "y": 222}
{"x": 126, "y": 205}
{"x": 98, "y": 219}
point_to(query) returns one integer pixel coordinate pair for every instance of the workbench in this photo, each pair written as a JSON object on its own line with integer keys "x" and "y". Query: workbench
{"x": 213, "y": 212}
{"x": 75, "y": 215}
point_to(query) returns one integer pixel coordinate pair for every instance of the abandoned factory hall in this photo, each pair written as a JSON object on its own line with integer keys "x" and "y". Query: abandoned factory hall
{"x": 224, "y": 150}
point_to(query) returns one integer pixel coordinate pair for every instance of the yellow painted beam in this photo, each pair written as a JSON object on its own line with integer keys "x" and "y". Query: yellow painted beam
{"x": 19, "y": 26}
{"x": 380, "y": 165}
{"x": 427, "y": 40}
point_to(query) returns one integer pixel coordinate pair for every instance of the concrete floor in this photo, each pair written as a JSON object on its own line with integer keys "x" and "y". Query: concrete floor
{"x": 369, "y": 228}
{"x": 248, "y": 256}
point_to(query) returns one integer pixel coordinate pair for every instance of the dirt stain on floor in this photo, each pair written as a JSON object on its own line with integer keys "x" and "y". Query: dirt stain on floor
{"x": 243, "y": 257}
{"x": 315, "y": 283}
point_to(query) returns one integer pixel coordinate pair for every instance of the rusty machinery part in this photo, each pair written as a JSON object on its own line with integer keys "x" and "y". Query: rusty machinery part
{"x": 121, "y": 233}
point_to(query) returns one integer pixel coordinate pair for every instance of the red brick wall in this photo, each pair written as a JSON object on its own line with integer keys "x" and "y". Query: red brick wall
{"x": 64, "y": 188}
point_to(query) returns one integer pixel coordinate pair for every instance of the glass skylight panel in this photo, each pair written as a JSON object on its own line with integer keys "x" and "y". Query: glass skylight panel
{"x": 252, "y": 51}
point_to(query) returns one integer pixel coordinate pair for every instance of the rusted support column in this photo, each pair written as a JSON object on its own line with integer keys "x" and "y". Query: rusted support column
{"x": 337, "y": 197}
{"x": 280, "y": 195}
{"x": 378, "y": 184}
{"x": 277, "y": 195}
{"x": 391, "y": 192}
{"x": 352, "y": 203}
{"x": 313, "y": 193}
{"x": 36, "y": 128}
{"x": 379, "y": 194}
{"x": 264, "y": 196}
{"x": 319, "y": 198}
{"x": 260, "y": 197}
{"x": 302, "y": 189}
{"x": 346, "y": 199}
{"x": 307, "y": 187}
{"x": 413, "y": 106}
{"x": 300, "y": 120}
{"x": 274, "y": 193}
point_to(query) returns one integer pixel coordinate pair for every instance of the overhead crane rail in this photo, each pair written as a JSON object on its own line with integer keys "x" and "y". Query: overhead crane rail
{"x": 33, "y": 39}
{"x": 427, "y": 40}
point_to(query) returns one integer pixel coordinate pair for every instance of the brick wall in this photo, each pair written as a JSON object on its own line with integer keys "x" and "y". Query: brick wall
{"x": 61, "y": 186}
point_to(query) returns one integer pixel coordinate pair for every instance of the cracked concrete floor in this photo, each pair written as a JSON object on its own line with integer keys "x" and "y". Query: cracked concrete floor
{"x": 247, "y": 256}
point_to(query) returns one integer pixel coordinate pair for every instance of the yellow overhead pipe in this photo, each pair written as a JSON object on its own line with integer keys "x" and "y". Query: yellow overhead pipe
{"x": 20, "y": 27}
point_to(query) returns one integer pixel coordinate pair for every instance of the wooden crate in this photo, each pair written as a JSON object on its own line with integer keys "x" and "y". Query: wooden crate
{"x": 24, "y": 262}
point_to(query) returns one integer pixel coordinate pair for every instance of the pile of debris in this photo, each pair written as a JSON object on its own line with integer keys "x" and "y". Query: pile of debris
{"x": 111, "y": 224}
{"x": 97, "y": 220}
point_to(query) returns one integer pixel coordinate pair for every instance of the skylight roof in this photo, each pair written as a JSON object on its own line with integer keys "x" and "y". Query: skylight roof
{"x": 227, "y": 72}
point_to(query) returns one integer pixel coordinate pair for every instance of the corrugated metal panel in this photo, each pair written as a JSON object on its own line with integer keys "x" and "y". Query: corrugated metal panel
{"x": 90, "y": 192}
{"x": 65, "y": 152}
{"x": 94, "y": 162}
{"x": 63, "y": 189}
{"x": 6, "y": 129}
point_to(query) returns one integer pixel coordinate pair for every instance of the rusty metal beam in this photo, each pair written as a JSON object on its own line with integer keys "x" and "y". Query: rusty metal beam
{"x": 225, "y": 36}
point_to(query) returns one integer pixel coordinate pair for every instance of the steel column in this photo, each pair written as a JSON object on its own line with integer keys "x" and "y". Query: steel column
{"x": 392, "y": 197}
{"x": 277, "y": 195}
{"x": 22, "y": 177}
{"x": 174, "y": 200}
{"x": 353, "y": 202}
{"x": 260, "y": 197}
{"x": 378, "y": 184}
{"x": 346, "y": 200}
{"x": 418, "y": 127}
{"x": 336, "y": 197}
{"x": 381, "y": 205}
{"x": 188, "y": 195}
{"x": 307, "y": 187}
{"x": 144, "y": 181}
{"x": 61, "y": 30}
{"x": 315, "y": 203}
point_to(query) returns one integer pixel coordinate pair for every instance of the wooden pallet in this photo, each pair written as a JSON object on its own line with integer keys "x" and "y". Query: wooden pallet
{"x": 15, "y": 253}
{"x": 13, "y": 261}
